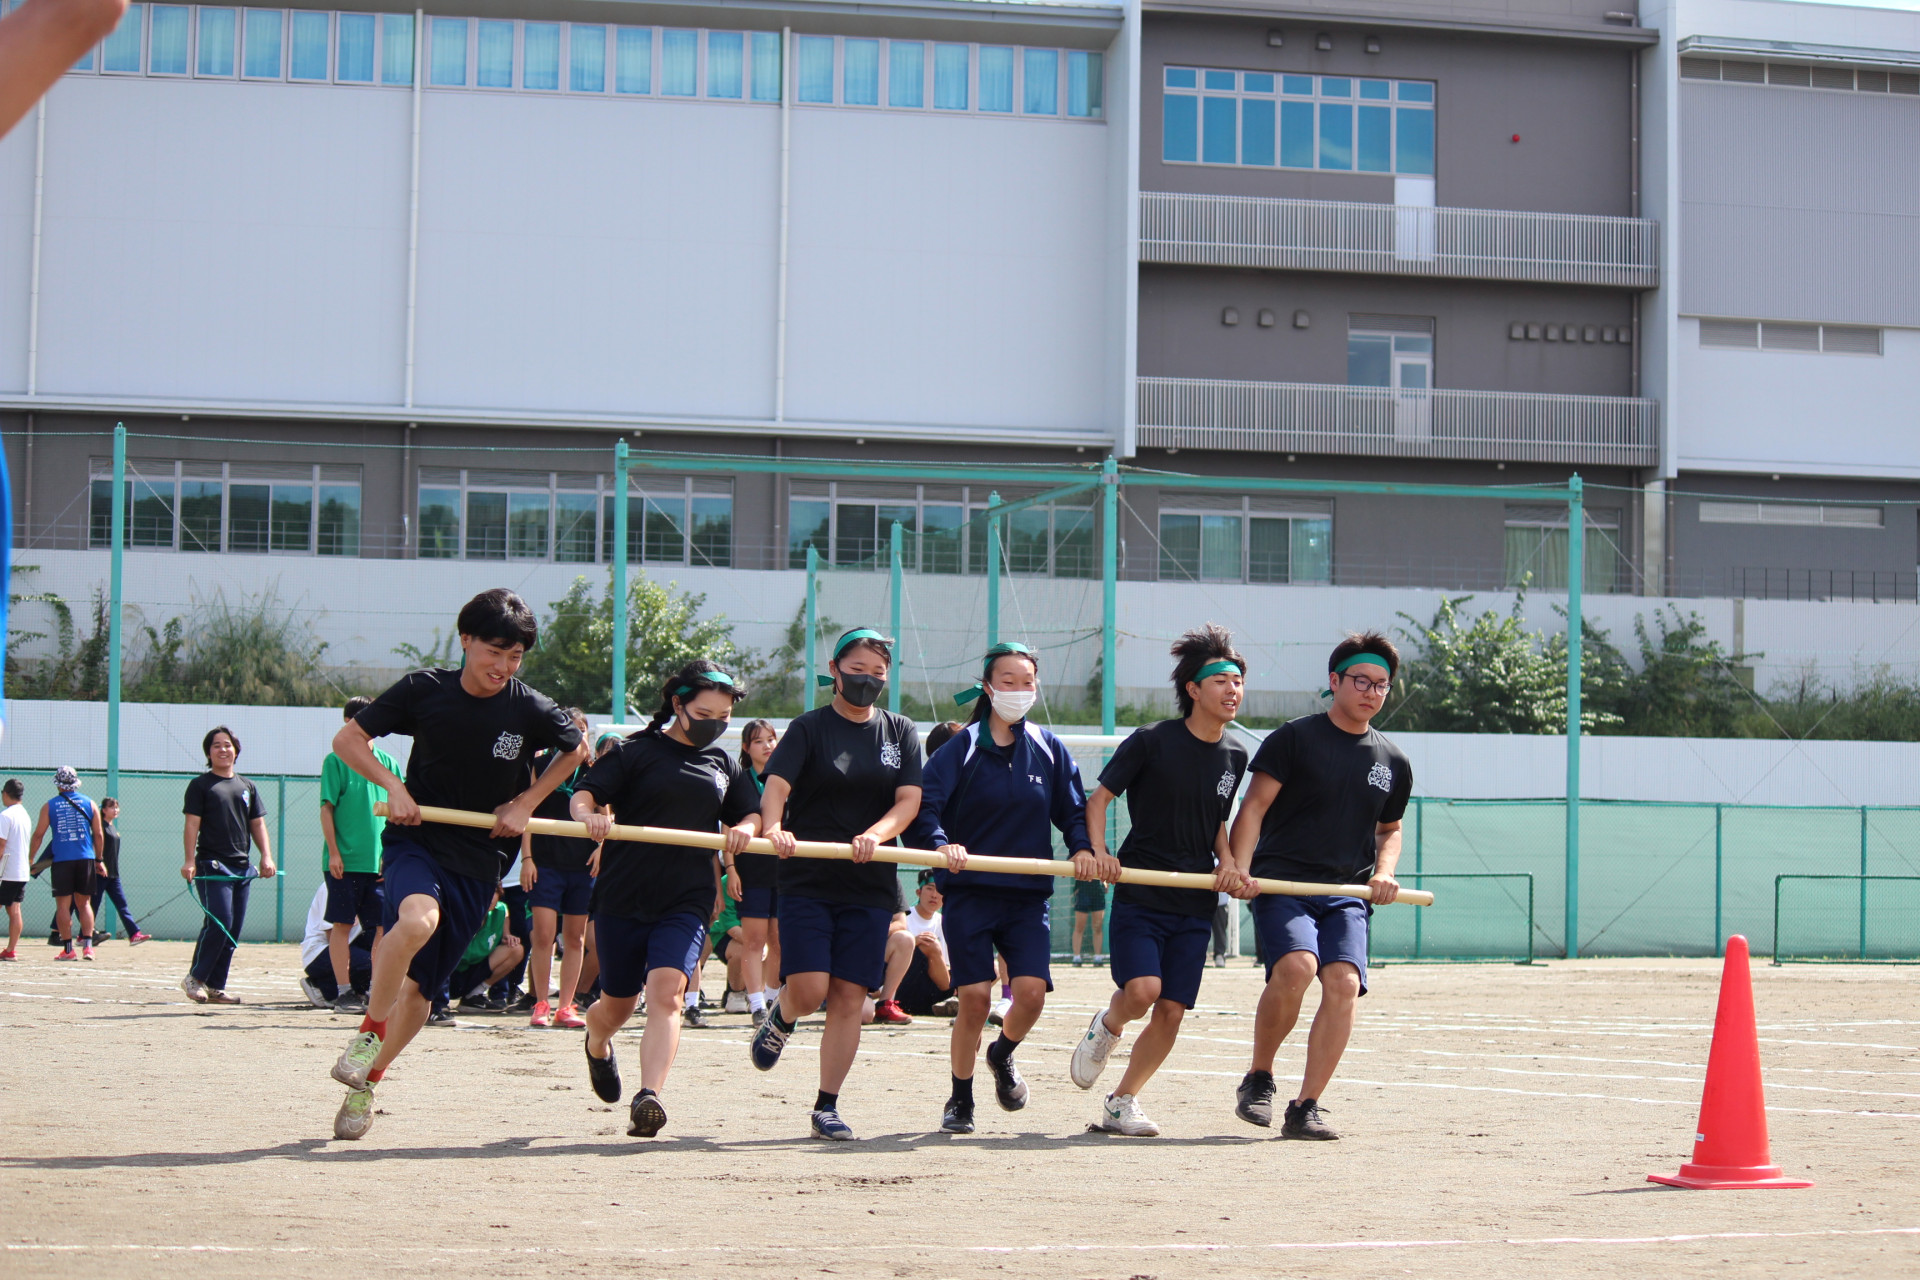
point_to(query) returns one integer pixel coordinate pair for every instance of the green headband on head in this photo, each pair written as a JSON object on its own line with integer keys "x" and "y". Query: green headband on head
{"x": 718, "y": 677}
{"x": 1217, "y": 668}
{"x": 1001, "y": 650}
{"x": 1360, "y": 658}
{"x": 854, "y": 637}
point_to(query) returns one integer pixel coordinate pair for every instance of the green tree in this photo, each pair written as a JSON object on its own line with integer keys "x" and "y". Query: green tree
{"x": 1686, "y": 685}
{"x": 1485, "y": 674}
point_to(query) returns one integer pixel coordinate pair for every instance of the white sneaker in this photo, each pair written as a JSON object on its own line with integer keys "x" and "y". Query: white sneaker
{"x": 195, "y": 989}
{"x": 1121, "y": 1113}
{"x": 312, "y": 993}
{"x": 998, "y": 1014}
{"x": 1090, "y": 1055}
{"x": 736, "y": 1002}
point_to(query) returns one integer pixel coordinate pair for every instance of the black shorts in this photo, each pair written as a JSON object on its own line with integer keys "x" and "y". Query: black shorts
{"x": 12, "y": 891}
{"x": 721, "y": 945}
{"x": 74, "y": 877}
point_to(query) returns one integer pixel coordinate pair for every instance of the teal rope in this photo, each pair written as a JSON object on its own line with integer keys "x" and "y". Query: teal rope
{"x": 154, "y": 914}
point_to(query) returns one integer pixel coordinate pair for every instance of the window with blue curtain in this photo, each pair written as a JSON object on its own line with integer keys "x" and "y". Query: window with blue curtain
{"x": 633, "y": 60}
{"x": 1180, "y": 117}
{"x": 1256, "y": 131}
{"x": 726, "y": 64}
{"x": 121, "y": 50}
{"x": 766, "y": 66}
{"x": 167, "y": 40}
{"x": 860, "y": 83}
{"x": 311, "y": 36}
{"x": 215, "y": 45}
{"x": 354, "y": 63}
{"x": 996, "y": 78}
{"x": 1373, "y": 143}
{"x": 1336, "y": 136}
{"x": 1260, "y": 118}
{"x": 396, "y": 48}
{"x": 951, "y": 63}
{"x": 447, "y": 52}
{"x": 679, "y": 63}
{"x": 262, "y": 55}
{"x": 540, "y": 55}
{"x": 587, "y": 59}
{"x": 1296, "y": 135}
{"x": 906, "y": 74}
{"x": 1219, "y": 130}
{"x": 1042, "y": 82}
{"x": 1086, "y": 84}
{"x": 493, "y": 55}
{"x": 816, "y": 69}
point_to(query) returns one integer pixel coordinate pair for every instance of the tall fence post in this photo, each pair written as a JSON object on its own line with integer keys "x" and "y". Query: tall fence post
{"x": 115, "y": 599}
{"x": 1863, "y": 882}
{"x": 993, "y": 570}
{"x": 1109, "y": 585}
{"x": 1576, "y": 564}
{"x": 894, "y": 681}
{"x": 280, "y": 849}
{"x": 1419, "y": 850}
{"x": 618, "y": 694}
{"x": 813, "y": 625}
{"x": 1719, "y": 875}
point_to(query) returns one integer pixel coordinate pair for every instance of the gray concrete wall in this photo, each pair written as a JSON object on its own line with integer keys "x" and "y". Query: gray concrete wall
{"x": 1704, "y": 554}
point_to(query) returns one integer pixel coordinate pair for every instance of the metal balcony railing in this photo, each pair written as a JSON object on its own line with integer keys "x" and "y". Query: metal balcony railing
{"x": 1302, "y": 417}
{"x": 1327, "y": 235}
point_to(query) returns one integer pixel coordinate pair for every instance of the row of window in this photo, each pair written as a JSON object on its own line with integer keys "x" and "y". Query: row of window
{"x": 196, "y": 506}
{"x": 1802, "y": 75}
{"x": 1209, "y": 546}
{"x": 308, "y": 46}
{"x": 1782, "y": 335}
{"x": 1270, "y": 120}
{"x": 1801, "y": 514}
{"x": 569, "y": 518}
{"x": 942, "y": 531}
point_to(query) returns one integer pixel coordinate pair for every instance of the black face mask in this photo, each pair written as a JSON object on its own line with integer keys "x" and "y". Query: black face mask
{"x": 704, "y": 733}
{"x": 862, "y": 691}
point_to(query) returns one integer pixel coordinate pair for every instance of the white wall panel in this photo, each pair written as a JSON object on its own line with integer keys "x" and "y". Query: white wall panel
{"x": 16, "y": 250}
{"x": 597, "y": 255}
{"x": 948, "y": 269}
{"x": 223, "y": 240}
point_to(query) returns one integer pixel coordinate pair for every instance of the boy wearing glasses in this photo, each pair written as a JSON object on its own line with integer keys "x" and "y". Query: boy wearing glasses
{"x": 1324, "y": 804}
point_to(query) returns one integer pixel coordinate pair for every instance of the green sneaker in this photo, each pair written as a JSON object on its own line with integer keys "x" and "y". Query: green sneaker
{"x": 355, "y": 1116}
{"x": 351, "y": 1070}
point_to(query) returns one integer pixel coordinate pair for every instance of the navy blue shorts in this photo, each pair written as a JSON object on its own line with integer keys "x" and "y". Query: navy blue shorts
{"x": 355, "y": 896}
{"x": 1331, "y": 928}
{"x": 1018, "y": 926}
{"x": 409, "y": 869}
{"x": 759, "y": 902}
{"x": 845, "y": 942}
{"x": 1089, "y": 895}
{"x": 630, "y": 949}
{"x": 1159, "y": 944}
{"x": 567, "y": 892}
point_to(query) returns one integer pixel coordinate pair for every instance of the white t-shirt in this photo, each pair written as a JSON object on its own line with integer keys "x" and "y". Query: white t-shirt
{"x": 17, "y": 828}
{"x": 314, "y": 944}
{"x": 918, "y": 924}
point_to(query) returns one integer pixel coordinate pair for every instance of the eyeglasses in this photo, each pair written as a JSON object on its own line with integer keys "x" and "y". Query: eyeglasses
{"x": 1366, "y": 685}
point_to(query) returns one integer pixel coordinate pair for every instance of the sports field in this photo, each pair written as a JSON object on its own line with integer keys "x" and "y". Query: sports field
{"x": 1497, "y": 1121}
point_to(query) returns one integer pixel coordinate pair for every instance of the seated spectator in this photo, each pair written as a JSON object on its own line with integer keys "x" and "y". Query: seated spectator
{"x": 317, "y": 982}
{"x": 918, "y": 981}
{"x": 491, "y": 956}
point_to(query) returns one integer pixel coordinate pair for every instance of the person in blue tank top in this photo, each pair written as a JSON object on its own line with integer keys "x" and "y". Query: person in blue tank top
{"x": 1002, "y": 785}
{"x": 75, "y": 824}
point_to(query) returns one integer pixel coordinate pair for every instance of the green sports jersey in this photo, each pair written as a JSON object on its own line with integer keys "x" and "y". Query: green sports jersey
{"x": 729, "y": 913}
{"x": 356, "y": 828}
{"x": 492, "y": 929}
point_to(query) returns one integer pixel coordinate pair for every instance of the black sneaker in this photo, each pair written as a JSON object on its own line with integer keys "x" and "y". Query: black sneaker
{"x": 958, "y": 1117}
{"x": 1303, "y": 1121}
{"x": 767, "y": 1043}
{"x": 523, "y": 1003}
{"x": 439, "y": 1017}
{"x": 647, "y": 1116}
{"x": 603, "y": 1073}
{"x": 1254, "y": 1099}
{"x": 351, "y": 1002}
{"x": 1009, "y": 1090}
{"x": 475, "y": 1004}
{"x": 694, "y": 1016}
{"x": 829, "y": 1125}
{"x": 496, "y": 1004}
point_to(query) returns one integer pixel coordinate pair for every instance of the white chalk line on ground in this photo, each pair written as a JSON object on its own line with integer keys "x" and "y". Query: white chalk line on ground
{"x": 364, "y": 1249}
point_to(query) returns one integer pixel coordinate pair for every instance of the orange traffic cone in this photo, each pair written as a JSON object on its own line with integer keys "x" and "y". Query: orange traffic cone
{"x": 1730, "y": 1146}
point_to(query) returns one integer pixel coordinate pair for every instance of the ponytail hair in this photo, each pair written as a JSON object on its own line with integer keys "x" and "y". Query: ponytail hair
{"x": 695, "y": 677}
{"x": 747, "y": 735}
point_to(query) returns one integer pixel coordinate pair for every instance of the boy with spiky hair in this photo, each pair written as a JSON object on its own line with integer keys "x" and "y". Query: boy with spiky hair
{"x": 1324, "y": 806}
{"x": 474, "y": 731}
{"x": 1179, "y": 777}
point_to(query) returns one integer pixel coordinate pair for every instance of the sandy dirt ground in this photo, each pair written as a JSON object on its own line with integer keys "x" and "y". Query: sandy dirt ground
{"x": 1497, "y": 1121}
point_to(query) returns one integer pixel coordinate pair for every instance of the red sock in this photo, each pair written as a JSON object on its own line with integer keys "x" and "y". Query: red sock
{"x": 375, "y": 1076}
{"x": 378, "y": 1028}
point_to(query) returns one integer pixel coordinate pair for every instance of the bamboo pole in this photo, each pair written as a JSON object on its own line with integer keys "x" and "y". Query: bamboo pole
{"x": 909, "y": 857}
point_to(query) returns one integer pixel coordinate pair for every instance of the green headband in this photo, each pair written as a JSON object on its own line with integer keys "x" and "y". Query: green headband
{"x": 1216, "y": 668}
{"x": 718, "y": 677}
{"x": 998, "y": 651}
{"x": 853, "y": 637}
{"x": 1360, "y": 658}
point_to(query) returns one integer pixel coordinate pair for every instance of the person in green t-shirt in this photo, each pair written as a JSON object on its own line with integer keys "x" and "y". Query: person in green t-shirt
{"x": 725, "y": 938}
{"x": 352, "y": 832}
{"x": 491, "y": 956}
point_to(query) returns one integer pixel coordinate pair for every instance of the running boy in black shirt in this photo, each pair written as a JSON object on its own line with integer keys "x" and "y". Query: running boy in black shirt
{"x": 474, "y": 731}
{"x": 1179, "y": 777}
{"x": 1325, "y": 803}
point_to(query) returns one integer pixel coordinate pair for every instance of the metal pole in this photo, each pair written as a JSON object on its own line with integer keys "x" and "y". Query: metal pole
{"x": 1576, "y": 564}
{"x": 1109, "y": 581}
{"x": 115, "y": 599}
{"x": 280, "y": 850}
{"x": 1719, "y": 874}
{"x": 813, "y": 625}
{"x": 1419, "y": 849}
{"x": 618, "y": 702}
{"x": 1863, "y": 882}
{"x": 893, "y": 682}
{"x": 993, "y": 570}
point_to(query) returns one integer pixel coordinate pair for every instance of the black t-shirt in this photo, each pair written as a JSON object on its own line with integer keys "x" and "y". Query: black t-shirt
{"x": 1184, "y": 792}
{"x": 110, "y": 846}
{"x": 224, "y": 806}
{"x": 1335, "y": 788}
{"x": 559, "y": 853}
{"x": 843, "y": 776}
{"x": 468, "y": 753}
{"x": 757, "y": 870}
{"x": 653, "y": 781}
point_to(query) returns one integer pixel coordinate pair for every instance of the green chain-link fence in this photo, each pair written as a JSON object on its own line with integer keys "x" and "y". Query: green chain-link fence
{"x": 1846, "y": 918}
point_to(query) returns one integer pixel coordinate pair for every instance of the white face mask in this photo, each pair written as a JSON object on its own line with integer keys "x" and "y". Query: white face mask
{"x": 1012, "y": 705}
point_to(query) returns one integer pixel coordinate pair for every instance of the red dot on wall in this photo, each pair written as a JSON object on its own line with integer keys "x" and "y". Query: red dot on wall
{"x": 1516, "y": 137}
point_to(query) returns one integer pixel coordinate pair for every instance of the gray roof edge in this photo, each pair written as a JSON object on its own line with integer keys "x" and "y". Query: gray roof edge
{"x": 1737, "y": 47}
{"x": 1610, "y": 34}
